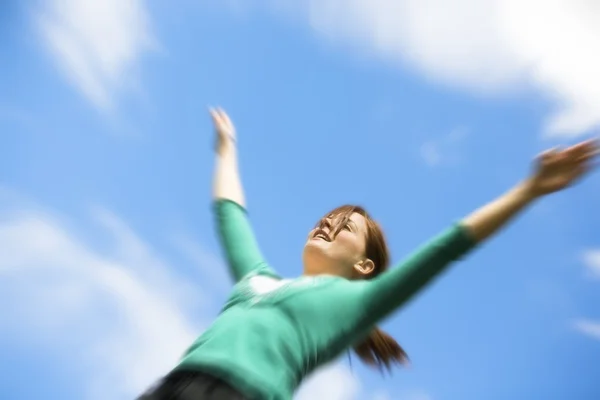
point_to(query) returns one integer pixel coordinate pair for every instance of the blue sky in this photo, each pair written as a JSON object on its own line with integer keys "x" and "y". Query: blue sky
{"x": 108, "y": 262}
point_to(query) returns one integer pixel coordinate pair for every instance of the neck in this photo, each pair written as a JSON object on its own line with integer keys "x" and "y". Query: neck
{"x": 330, "y": 271}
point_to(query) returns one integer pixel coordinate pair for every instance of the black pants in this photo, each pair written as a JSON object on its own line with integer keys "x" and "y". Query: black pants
{"x": 182, "y": 385}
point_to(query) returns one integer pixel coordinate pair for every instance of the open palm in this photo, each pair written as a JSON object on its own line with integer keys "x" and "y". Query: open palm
{"x": 557, "y": 169}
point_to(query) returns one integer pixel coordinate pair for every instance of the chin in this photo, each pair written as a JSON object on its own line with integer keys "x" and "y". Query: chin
{"x": 318, "y": 248}
{"x": 315, "y": 253}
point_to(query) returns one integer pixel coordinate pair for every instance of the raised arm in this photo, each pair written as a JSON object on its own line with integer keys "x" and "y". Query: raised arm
{"x": 235, "y": 232}
{"x": 227, "y": 183}
{"x": 555, "y": 170}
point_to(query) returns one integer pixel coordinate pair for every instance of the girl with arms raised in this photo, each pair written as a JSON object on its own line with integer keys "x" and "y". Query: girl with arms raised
{"x": 273, "y": 332}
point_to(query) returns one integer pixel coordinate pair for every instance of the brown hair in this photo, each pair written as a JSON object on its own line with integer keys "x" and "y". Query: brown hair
{"x": 379, "y": 350}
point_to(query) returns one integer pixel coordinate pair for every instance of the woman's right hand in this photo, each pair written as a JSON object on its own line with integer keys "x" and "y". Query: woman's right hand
{"x": 224, "y": 129}
{"x": 227, "y": 184}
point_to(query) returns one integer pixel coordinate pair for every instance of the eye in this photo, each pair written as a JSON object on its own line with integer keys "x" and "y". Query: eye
{"x": 347, "y": 227}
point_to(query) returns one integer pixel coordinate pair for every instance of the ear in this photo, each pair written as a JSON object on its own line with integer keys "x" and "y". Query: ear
{"x": 364, "y": 267}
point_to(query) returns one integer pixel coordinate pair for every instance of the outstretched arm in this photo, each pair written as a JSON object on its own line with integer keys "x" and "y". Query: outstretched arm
{"x": 555, "y": 171}
{"x": 235, "y": 232}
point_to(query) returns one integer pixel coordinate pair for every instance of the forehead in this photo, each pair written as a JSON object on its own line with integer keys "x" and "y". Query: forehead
{"x": 359, "y": 220}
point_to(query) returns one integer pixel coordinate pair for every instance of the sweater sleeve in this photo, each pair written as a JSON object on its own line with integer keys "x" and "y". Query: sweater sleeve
{"x": 237, "y": 240}
{"x": 390, "y": 290}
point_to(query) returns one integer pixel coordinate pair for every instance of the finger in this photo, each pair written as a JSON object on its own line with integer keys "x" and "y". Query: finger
{"x": 591, "y": 143}
{"x": 224, "y": 117}
{"x": 550, "y": 151}
{"x": 577, "y": 154}
{"x": 582, "y": 148}
{"x": 548, "y": 156}
{"x": 583, "y": 152}
{"x": 588, "y": 156}
{"x": 593, "y": 147}
{"x": 214, "y": 115}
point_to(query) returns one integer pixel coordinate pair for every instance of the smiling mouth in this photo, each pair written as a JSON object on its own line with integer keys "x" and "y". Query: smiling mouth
{"x": 321, "y": 234}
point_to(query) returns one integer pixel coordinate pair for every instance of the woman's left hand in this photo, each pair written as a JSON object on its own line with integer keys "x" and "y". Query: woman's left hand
{"x": 557, "y": 169}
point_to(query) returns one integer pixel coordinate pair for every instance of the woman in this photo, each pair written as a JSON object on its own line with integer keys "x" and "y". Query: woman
{"x": 273, "y": 332}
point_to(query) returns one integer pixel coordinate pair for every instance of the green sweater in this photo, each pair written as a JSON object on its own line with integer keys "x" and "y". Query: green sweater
{"x": 273, "y": 332}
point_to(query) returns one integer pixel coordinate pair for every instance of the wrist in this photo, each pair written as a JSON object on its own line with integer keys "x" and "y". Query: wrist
{"x": 226, "y": 145}
{"x": 527, "y": 191}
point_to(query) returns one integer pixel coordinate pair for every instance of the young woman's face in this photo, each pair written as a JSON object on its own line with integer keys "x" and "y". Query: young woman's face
{"x": 337, "y": 255}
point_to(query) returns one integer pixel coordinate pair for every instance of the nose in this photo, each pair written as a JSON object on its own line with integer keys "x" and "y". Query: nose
{"x": 325, "y": 225}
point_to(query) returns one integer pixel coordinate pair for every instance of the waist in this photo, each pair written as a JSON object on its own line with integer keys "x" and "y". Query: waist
{"x": 254, "y": 383}
{"x": 201, "y": 382}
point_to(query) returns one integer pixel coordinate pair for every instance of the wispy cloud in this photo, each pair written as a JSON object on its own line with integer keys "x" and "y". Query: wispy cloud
{"x": 381, "y": 396}
{"x": 591, "y": 260}
{"x": 404, "y": 395}
{"x": 96, "y": 44}
{"x": 588, "y": 327}
{"x": 122, "y": 316}
{"x": 121, "y": 320}
{"x": 331, "y": 382}
{"x": 444, "y": 150}
{"x": 489, "y": 46}
{"x": 419, "y": 395}
{"x": 220, "y": 280}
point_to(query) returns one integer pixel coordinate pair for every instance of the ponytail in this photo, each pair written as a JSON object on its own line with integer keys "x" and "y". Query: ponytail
{"x": 381, "y": 350}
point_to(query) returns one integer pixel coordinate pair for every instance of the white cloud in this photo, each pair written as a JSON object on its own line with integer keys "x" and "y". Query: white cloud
{"x": 220, "y": 280}
{"x": 418, "y": 395}
{"x": 332, "y": 382}
{"x": 123, "y": 321}
{"x": 430, "y": 153}
{"x": 489, "y": 46}
{"x": 120, "y": 318}
{"x": 443, "y": 150}
{"x": 381, "y": 396}
{"x": 588, "y": 327}
{"x": 591, "y": 260}
{"x": 97, "y": 44}
{"x": 404, "y": 395}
